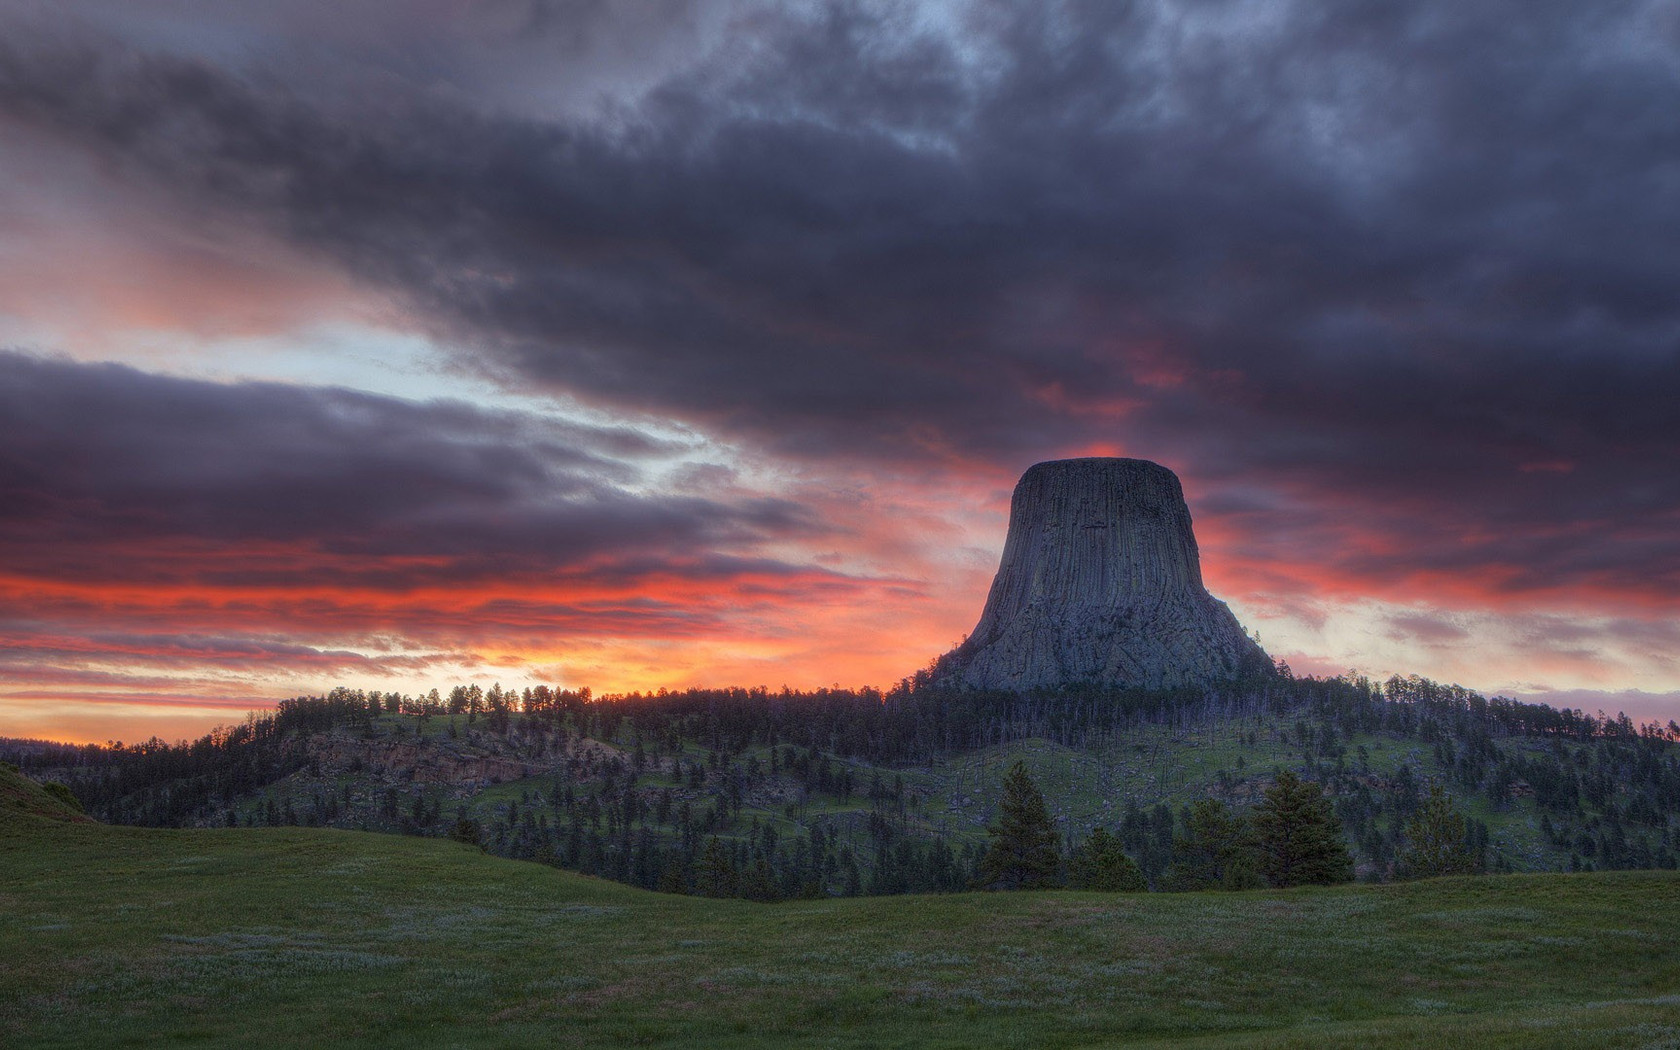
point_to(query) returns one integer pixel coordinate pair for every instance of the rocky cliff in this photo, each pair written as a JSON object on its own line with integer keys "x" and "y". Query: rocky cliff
{"x": 1100, "y": 583}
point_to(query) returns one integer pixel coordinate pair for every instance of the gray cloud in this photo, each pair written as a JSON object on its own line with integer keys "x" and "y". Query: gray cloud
{"x": 106, "y": 472}
{"x": 1406, "y": 266}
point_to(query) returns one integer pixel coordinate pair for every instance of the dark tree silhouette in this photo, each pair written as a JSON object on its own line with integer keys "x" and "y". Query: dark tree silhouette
{"x": 1023, "y": 853}
{"x": 1298, "y": 838}
{"x": 467, "y": 831}
{"x": 1437, "y": 840}
{"x": 715, "y": 875}
{"x": 1216, "y": 852}
{"x": 1100, "y": 863}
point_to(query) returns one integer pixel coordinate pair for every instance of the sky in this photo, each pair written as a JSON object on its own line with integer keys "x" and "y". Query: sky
{"x": 652, "y": 344}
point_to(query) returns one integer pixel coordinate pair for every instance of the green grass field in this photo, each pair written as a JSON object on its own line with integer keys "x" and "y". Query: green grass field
{"x": 293, "y": 937}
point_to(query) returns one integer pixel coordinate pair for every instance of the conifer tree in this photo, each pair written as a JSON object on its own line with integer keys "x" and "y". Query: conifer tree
{"x": 1216, "y": 852}
{"x": 1100, "y": 863}
{"x": 672, "y": 879}
{"x": 1437, "y": 842}
{"x": 758, "y": 883}
{"x": 1298, "y": 838}
{"x": 714, "y": 872}
{"x": 1023, "y": 853}
{"x": 467, "y": 830}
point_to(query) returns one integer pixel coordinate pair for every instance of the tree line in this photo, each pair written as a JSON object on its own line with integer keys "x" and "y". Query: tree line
{"x": 1292, "y": 838}
{"x": 670, "y": 812}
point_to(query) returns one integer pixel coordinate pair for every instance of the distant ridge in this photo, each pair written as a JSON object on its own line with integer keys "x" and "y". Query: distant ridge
{"x": 1100, "y": 583}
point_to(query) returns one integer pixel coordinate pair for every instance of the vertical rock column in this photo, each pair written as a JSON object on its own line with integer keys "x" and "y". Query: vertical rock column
{"x": 1100, "y": 583}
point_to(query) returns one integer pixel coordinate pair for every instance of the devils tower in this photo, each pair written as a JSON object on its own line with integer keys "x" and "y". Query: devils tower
{"x": 1100, "y": 584}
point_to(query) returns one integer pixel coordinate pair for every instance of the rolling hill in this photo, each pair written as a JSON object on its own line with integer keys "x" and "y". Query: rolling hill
{"x": 293, "y": 937}
{"x": 841, "y": 793}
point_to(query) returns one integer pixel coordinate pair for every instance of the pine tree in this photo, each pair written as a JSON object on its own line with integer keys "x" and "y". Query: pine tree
{"x": 1298, "y": 838}
{"x": 758, "y": 883}
{"x": 1100, "y": 863}
{"x": 672, "y": 879}
{"x": 1023, "y": 853}
{"x": 1216, "y": 851}
{"x": 467, "y": 830}
{"x": 714, "y": 872}
{"x": 1437, "y": 840}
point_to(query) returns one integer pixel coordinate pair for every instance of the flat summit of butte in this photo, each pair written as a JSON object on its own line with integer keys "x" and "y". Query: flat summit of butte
{"x": 1100, "y": 584}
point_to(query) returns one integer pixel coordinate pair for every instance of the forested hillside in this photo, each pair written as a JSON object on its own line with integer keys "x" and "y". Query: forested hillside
{"x": 775, "y": 795}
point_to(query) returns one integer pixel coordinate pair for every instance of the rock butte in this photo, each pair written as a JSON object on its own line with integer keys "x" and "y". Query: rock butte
{"x": 1100, "y": 584}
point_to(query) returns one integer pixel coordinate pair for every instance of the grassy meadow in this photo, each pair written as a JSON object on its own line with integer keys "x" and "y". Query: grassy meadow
{"x": 298, "y": 937}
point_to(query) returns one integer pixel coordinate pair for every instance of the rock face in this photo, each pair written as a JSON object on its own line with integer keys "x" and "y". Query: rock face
{"x": 1100, "y": 583}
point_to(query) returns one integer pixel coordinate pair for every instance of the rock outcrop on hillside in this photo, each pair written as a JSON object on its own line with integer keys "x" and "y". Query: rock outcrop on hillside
{"x": 1100, "y": 583}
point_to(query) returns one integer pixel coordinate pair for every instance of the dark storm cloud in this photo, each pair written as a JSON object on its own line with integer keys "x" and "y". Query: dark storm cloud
{"x": 107, "y": 472}
{"x": 1407, "y": 266}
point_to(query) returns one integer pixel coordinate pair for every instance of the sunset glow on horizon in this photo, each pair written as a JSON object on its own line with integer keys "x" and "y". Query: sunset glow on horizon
{"x": 415, "y": 345}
